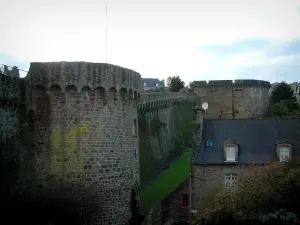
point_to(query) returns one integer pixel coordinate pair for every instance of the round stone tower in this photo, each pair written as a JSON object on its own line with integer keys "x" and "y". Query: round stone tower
{"x": 239, "y": 99}
{"x": 86, "y": 129}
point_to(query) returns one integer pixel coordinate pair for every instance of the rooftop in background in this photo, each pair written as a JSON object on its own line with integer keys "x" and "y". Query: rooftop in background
{"x": 256, "y": 139}
{"x": 152, "y": 83}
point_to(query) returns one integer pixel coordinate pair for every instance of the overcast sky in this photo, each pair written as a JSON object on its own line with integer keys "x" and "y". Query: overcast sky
{"x": 197, "y": 39}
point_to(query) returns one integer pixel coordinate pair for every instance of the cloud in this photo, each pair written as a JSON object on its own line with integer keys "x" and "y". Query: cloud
{"x": 266, "y": 59}
{"x": 9, "y": 60}
{"x": 157, "y": 38}
{"x": 283, "y": 48}
{"x": 236, "y": 47}
{"x": 288, "y": 72}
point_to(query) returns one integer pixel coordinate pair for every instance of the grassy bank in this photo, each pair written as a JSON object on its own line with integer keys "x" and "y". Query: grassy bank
{"x": 167, "y": 181}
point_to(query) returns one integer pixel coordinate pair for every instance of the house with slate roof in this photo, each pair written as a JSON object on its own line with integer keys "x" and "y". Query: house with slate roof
{"x": 153, "y": 83}
{"x": 224, "y": 147}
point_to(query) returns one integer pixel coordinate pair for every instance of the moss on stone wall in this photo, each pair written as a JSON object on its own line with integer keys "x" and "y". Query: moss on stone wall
{"x": 163, "y": 135}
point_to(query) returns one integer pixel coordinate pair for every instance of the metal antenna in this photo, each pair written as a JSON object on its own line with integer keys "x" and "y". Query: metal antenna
{"x": 106, "y": 33}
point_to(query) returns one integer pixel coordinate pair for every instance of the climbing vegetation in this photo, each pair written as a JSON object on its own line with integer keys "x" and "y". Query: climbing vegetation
{"x": 283, "y": 102}
{"x": 267, "y": 193}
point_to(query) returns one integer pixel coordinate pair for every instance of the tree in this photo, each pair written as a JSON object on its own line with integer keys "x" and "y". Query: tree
{"x": 175, "y": 83}
{"x": 282, "y": 109}
{"x": 284, "y": 92}
{"x": 283, "y": 102}
{"x": 259, "y": 195}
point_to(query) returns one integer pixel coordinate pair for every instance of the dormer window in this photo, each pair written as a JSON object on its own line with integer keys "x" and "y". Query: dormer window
{"x": 230, "y": 151}
{"x": 284, "y": 151}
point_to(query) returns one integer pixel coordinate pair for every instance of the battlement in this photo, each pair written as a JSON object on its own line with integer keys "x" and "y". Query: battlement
{"x": 230, "y": 83}
{"x": 14, "y": 72}
{"x": 10, "y": 90}
{"x": 155, "y": 96}
{"x": 154, "y": 100}
{"x": 83, "y": 74}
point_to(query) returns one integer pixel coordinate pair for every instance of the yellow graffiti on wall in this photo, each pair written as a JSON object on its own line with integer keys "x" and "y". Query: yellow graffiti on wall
{"x": 68, "y": 155}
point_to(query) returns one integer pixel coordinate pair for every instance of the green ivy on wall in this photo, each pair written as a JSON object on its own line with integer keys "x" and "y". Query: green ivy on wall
{"x": 161, "y": 142}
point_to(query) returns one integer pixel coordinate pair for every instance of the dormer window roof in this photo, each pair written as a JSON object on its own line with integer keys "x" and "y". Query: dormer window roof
{"x": 283, "y": 150}
{"x": 230, "y": 151}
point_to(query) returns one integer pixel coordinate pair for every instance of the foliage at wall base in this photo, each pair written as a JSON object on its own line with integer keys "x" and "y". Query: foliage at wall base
{"x": 268, "y": 192}
{"x": 162, "y": 140}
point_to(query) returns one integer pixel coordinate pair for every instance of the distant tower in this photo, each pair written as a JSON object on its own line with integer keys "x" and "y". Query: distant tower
{"x": 242, "y": 99}
{"x": 14, "y": 72}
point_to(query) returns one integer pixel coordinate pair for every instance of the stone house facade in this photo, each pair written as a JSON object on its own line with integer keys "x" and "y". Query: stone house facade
{"x": 225, "y": 148}
{"x": 153, "y": 83}
{"x": 177, "y": 204}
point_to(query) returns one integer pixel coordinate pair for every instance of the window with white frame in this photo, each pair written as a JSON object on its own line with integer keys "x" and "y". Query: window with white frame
{"x": 230, "y": 179}
{"x": 230, "y": 153}
{"x": 284, "y": 153}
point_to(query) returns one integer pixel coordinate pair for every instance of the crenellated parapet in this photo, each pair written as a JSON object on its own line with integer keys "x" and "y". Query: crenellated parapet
{"x": 233, "y": 99}
{"x": 154, "y": 101}
{"x": 82, "y": 75}
{"x": 13, "y": 72}
{"x": 231, "y": 83}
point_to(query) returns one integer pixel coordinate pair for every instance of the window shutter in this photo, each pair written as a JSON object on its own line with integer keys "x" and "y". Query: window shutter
{"x": 224, "y": 155}
{"x": 278, "y": 152}
{"x": 236, "y": 153}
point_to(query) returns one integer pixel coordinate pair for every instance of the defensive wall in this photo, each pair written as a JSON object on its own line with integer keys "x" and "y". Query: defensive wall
{"x": 9, "y": 100}
{"x": 10, "y": 96}
{"x": 80, "y": 121}
{"x": 86, "y": 128}
{"x": 165, "y": 126}
{"x": 233, "y": 99}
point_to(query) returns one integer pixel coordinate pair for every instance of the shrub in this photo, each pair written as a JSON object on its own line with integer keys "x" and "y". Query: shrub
{"x": 265, "y": 190}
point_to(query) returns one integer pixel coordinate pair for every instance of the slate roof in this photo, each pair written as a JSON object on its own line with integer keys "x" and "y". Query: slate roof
{"x": 153, "y": 81}
{"x": 256, "y": 139}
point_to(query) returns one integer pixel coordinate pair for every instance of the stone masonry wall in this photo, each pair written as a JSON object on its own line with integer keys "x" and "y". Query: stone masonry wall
{"x": 210, "y": 177}
{"x": 79, "y": 121}
{"x": 242, "y": 99}
{"x": 10, "y": 96}
{"x": 9, "y": 123}
{"x": 163, "y": 129}
{"x": 86, "y": 128}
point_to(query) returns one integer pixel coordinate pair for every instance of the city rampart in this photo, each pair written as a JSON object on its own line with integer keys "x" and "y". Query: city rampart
{"x": 86, "y": 128}
{"x": 14, "y": 131}
{"x": 91, "y": 123}
{"x": 233, "y": 99}
{"x": 163, "y": 119}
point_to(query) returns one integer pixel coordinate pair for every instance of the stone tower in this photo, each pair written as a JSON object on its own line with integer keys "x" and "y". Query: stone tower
{"x": 86, "y": 128}
{"x": 240, "y": 99}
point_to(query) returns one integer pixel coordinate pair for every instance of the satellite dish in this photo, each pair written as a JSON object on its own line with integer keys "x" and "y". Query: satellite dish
{"x": 205, "y": 105}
